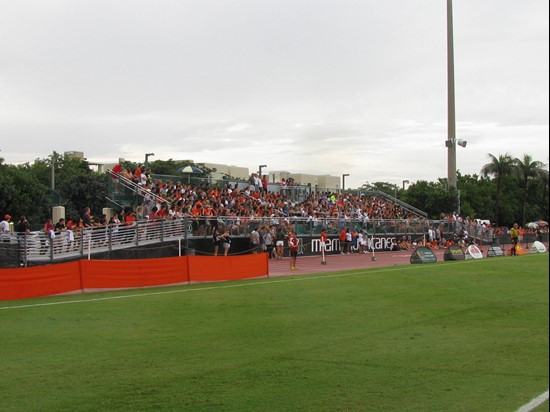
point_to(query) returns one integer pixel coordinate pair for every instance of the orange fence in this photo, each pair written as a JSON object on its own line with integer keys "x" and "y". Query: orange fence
{"x": 39, "y": 281}
{"x": 111, "y": 274}
{"x": 216, "y": 268}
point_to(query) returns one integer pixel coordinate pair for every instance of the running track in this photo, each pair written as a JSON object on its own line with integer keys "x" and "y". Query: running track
{"x": 312, "y": 264}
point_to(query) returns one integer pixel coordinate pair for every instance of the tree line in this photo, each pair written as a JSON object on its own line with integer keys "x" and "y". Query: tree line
{"x": 507, "y": 189}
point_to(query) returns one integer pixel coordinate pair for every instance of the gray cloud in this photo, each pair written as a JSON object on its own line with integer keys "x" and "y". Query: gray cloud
{"x": 341, "y": 87}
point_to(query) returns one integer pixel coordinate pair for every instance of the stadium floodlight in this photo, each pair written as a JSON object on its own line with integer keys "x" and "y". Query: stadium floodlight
{"x": 147, "y": 155}
{"x": 344, "y": 181}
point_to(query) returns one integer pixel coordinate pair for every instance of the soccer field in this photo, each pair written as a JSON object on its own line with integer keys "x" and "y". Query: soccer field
{"x": 456, "y": 336}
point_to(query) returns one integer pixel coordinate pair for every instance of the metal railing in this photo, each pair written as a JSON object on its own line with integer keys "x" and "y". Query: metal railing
{"x": 400, "y": 203}
{"x": 50, "y": 247}
{"x": 41, "y": 246}
{"x": 123, "y": 190}
{"x": 133, "y": 193}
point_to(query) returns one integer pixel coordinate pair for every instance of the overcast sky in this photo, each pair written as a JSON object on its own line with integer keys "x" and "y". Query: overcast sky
{"x": 322, "y": 87}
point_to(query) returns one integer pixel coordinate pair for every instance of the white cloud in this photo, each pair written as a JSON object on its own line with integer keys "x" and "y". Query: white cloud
{"x": 342, "y": 87}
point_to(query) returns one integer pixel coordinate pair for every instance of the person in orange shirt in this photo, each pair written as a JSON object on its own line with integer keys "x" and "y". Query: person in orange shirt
{"x": 129, "y": 217}
{"x": 342, "y": 241}
{"x": 196, "y": 211}
{"x": 137, "y": 174}
{"x": 293, "y": 246}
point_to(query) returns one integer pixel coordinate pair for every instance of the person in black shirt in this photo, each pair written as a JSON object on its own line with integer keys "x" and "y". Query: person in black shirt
{"x": 22, "y": 226}
{"x": 60, "y": 226}
{"x": 216, "y": 240}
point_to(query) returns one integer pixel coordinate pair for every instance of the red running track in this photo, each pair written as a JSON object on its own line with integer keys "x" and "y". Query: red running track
{"x": 312, "y": 264}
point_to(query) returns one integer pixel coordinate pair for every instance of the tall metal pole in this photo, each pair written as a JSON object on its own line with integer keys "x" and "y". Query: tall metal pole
{"x": 451, "y": 123}
{"x": 54, "y": 158}
{"x": 344, "y": 181}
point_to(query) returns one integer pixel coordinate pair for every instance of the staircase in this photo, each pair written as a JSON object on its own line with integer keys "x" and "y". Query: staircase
{"x": 406, "y": 206}
{"x": 122, "y": 192}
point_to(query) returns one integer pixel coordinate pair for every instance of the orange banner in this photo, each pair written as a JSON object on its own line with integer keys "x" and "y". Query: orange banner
{"x": 112, "y": 274}
{"x": 217, "y": 268}
{"x": 39, "y": 281}
{"x": 108, "y": 274}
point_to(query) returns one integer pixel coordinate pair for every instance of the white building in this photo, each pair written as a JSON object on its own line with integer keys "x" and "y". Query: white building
{"x": 317, "y": 182}
{"x": 226, "y": 170}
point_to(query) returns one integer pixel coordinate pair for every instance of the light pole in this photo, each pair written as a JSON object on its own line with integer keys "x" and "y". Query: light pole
{"x": 451, "y": 123}
{"x": 54, "y": 161}
{"x": 344, "y": 181}
{"x": 260, "y": 170}
{"x": 405, "y": 182}
{"x": 147, "y": 155}
{"x": 451, "y": 141}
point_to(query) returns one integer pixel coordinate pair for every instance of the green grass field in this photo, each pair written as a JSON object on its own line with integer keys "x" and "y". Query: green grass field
{"x": 457, "y": 336}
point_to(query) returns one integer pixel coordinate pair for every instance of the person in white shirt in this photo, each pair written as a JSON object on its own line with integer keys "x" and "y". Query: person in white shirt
{"x": 255, "y": 241}
{"x": 431, "y": 234}
{"x": 349, "y": 239}
{"x": 5, "y": 229}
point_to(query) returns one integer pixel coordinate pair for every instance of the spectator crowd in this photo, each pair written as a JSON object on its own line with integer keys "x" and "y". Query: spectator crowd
{"x": 236, "y": 205}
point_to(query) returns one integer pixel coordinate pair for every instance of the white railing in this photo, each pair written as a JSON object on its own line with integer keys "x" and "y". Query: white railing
{"x": 136, "y": 188}
{"x": 40, "y": 246}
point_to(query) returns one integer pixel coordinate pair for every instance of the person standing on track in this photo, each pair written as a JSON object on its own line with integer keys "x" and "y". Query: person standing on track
{"x": 323, "y": 246}
{"x": 293, "y": 246}
{"x": 514, "y": 235}
{"x": 343, "y": 241}
{"x": 280, "y": 243}
{"x": 216, "y": 241}
{"x": 226, "y": 241}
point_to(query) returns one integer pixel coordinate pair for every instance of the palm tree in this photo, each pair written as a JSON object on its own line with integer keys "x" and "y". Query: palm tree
{"x": 498, "y": 168}
{"x": 544, "y": 184}
{"x": 527, "y": 169}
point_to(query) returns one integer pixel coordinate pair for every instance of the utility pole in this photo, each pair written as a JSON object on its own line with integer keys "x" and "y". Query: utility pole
{"x": 147, "y": 156}
{"x": 260, "y": 167}
{"x": 451, "y": 122}
{"x": 344, "y": 181}
{"x": 54, "y": 160}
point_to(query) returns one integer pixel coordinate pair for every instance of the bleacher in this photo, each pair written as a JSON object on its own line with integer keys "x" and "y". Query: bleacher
{"x": 38, "y": 248}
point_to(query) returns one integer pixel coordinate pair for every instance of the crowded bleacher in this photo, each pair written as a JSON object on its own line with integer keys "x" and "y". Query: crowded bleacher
{"x": 172, "y": 208}
{"x": 175, "y": 199}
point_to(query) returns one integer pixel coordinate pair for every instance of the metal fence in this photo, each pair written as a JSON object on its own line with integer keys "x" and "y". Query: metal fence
{"x": 39, "y": 246}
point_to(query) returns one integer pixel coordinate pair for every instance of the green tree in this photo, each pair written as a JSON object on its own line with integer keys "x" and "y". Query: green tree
{"x": 527, "y": 169}
{"x": 164, "y": 167}
{"x": 431, "y": 197}
{"x": 544, "y": 192}
{"x": 42, "y": 170}
{"x": 388, "y": 188}
{"x": 84, "y": 190}
{"x": 68, "y": 167}
{"x": 475, "y": 196}
{"x": 169, "y": 168}
{"x": 498, "y": 168}
{"x": 22, "y": 194}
